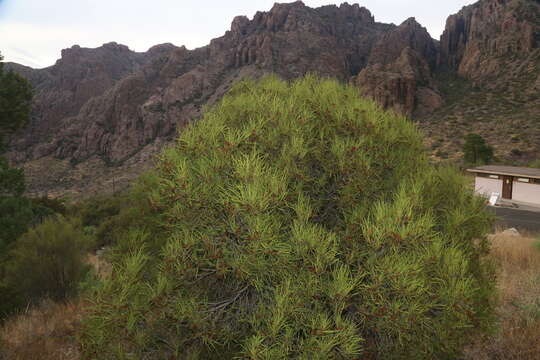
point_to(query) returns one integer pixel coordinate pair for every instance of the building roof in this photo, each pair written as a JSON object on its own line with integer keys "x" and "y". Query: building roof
{"x": 507, "y": 170}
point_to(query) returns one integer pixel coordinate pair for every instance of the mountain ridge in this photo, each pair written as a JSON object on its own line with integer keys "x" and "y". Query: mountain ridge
{"x": 115, "y": 108}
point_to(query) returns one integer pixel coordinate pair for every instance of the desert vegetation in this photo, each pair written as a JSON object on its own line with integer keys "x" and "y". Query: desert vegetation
{"x": 504, "y": 117}
{"x": 476, "y": 151}
{"x": 295, "y": 220}
{"x": 50, "y": 331}
{"x": 37, "y": 255}
{"x": 45, "y": 332}
{"x": 518, "y": 312}
{"x": 290, "y": 219}
{"x": 48, "y": 261}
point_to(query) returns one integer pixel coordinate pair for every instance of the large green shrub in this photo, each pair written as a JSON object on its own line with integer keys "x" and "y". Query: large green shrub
{"x": 93, "y": 211}
{"x": 18, "y": 214}
{"x": 47, "y": 261}
{"x": 298, "y": 221}
{"x": 109, "y": 216}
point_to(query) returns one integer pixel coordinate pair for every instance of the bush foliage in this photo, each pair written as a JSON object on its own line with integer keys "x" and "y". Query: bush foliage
{"x": 297, "y": 220}
{"x": 47, "y": 261}
{"x": 16, "y": 211}
{"x": 107, "y": 217}
{"x": 476, "y": 150}
{"x": 17, "y": 215}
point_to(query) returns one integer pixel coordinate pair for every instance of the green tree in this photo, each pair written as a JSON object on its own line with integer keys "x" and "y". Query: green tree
{"x": 16, "y": 215}
{"x": 48, "y": 260}
{"x": 16, "y": 212}
{"x": 11, "y": 179}
{"x": 15, "y": 101}
{"x": 297, "y": 220}
{"x": 476, "y": 150}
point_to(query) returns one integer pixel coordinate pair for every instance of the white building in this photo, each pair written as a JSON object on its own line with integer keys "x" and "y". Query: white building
{"x": 512, "y": 183}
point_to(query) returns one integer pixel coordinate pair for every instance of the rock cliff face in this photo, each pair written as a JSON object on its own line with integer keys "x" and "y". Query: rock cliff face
{"x": 64, "y": 88}
{"x": 489, "y": 68}
{"x": 399, "y": 70}
{"x": 111, "y": 103}
{"x": 101, "y": 111}
{"x": 492, "y": 38}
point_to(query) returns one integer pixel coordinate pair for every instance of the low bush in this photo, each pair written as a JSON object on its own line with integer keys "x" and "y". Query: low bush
{"x": 93, "y": 211}
{"x": 56, "y": 205}
{"x": 516, "y": 152}
{"x": 47, "y": 261}
{"x": 129, "y": 216}
{"x": 535, "y": 164}
{"x": 47, "y": 331}
{"x": 108, "y": 217}
{"x": 518, "y": 313}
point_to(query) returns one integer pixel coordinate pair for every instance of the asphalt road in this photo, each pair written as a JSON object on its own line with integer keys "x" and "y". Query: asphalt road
{"x": 518, "y": 219}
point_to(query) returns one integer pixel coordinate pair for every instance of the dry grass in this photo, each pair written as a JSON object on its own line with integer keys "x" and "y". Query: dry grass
{"x": 102, "y": 268}
{"x": 518, "y": 282}
{"x": 47, "y": 332}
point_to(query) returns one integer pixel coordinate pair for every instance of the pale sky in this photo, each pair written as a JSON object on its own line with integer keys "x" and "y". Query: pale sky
{"x": 33, "y": 32}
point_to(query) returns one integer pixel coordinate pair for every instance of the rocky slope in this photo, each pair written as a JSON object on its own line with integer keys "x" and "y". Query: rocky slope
{"x": 399, "y": 71}
{"x": 101, "y": 114}
{"x": 492, "y": 38}
{"x": 62, "y": 90}
{"x": 489, "y": 74}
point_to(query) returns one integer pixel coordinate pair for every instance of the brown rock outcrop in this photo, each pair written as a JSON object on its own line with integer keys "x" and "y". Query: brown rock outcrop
{"x": 112, "y": 102}
{"x": 63, "y": 89}
{"x": 398, "y": 75}
{"x": 112, "y": 108}
{"x": 492, "y": 38}
{"x": 493, "y": 46}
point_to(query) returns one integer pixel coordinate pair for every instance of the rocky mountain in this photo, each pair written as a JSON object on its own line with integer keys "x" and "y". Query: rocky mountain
{"x": 100, "y": 114}
{"x": 488, "y": 72}
{"x": 63, "y": 89}
{"x": 399, "y": 70}
{"x": 492, "y": 38}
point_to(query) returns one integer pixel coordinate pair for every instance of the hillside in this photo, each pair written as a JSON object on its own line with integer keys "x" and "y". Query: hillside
{"x": 101, "y": 114}
{"x": 489, "y": 76}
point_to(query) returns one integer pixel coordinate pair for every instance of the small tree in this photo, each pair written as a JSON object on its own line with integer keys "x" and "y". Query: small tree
{"x": 15, "y": 101}
{"x": 17, "y": 214}
{"x": 48, "y": 261}
{"x": 298, "y": 221}
{"x": 16, "y": 211}
{"x": 476, "y": 150}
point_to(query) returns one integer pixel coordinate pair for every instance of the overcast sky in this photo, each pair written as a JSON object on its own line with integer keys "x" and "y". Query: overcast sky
{"x": 33, "y": 32}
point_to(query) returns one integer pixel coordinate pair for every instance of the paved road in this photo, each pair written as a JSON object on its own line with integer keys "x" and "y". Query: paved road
{"x": 519, "y": 219}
